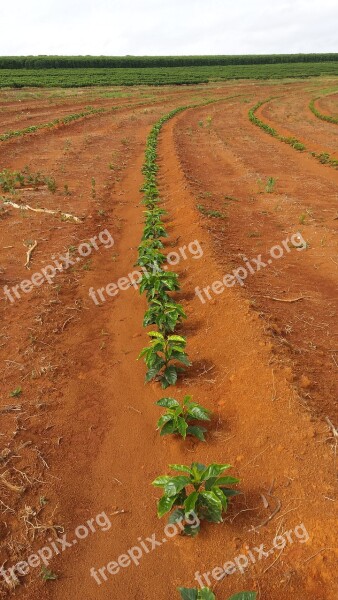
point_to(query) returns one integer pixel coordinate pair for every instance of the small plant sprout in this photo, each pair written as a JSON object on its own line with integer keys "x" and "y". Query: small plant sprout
{"x": 200, "y": 491}
{"x": 207, "y": 594}
{"x": 177, "y": 418}
{"x": 51, "y": 184}
{"x": 16, "y": 393}
{"x": 47, "y": 574}
{"x": 270, "y": 185}
{"x": 160, "y": 356}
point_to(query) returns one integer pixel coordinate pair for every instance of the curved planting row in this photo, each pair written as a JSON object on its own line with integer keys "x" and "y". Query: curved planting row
{"x": 64, "y": 121}
{"x": 196, "y": 491}
{"x": 320, "y": 115}
{"x": 323, "y": 157}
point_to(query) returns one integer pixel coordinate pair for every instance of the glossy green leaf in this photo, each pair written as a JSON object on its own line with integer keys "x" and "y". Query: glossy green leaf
{"x": 188, "y": 594}
{"x": 164, "y": 505}
{"x": 214, "y": 470}
{"x": 167, "y": 403}
{"x": 176, "y": 484}
{"x": 190, "y": 503}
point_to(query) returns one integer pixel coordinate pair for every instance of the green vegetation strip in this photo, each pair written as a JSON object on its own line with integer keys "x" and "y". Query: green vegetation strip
{"x": 165, "y": 357}
{"x": 320, "y": 115}
{"x": 76, "y": 62}
{"x": 64, "y": 121}
{"x": 322, "y": 157}
{"x": 159, "y": 75}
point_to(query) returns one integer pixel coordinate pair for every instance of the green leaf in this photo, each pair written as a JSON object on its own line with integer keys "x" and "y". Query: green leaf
{"x": 213, "y": 505}
{"x": 164, "y": 505}
{"x": 156, "y": 334}
{"x": 167, "y": 403}
{"x": 214, "y": 470}
{"x": 16, "y": 393}
{"x": 227, "y": 480}
{"x": 177, "y": 338}
{"x": 197, "y": 469}
{"x": 206, "y": 594}
{"x": 229, "y": 492}
{"x": 222, "y": 497}
{"x": 170, "y": 375}
{"x": 187, "y": 400}
{"x": 168, "y": 428}
{"x": 198, "y": 412}
{"x": 183, "y": 468}
{"x": 182, "y": 426}
{"x": 188, "y": 593}
{"x": 161, "y": 481}
{"x": 151, "y": 373}
{"x": 177, "y": 515}
{"x": 190, "y": 503}
{"x": 198, "y": 432}
{"x": 191, "y": 531}
{"x": 244, "y": 596}
{"x": 176, "y": 484}
{"x": 165, "y": 419}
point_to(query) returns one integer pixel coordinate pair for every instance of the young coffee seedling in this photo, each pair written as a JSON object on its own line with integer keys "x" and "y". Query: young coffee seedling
{"x": 178, "y": 417}
{"x": 156, "y": 285}
{"x": 154, "y": 231}
{"x": 165, "y": 314}
{"x": 160, "y": 355}
{"x": 200, "y": 491}
{"x": 207, "y": 594}
{"x": 149, "y": 256}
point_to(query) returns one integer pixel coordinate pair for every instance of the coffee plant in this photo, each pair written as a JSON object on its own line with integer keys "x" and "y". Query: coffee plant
{"x": 162, "y": 357}
{"x": 201, "y": 490}
{"x": 178, "y": 417}
{"x": 165, "y": 313}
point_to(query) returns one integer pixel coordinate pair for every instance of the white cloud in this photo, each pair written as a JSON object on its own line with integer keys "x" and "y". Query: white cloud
{"x": 158, "y": 27}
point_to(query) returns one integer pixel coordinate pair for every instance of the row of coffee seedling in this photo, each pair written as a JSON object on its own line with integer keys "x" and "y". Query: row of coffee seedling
{"x": 199, "y": 489}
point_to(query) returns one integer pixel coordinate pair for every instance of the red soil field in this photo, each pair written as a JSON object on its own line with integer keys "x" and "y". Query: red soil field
{"x": 79, "y": 434}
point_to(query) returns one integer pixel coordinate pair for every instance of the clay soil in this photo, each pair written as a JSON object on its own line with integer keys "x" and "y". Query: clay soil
{"x": 78, "y": 424}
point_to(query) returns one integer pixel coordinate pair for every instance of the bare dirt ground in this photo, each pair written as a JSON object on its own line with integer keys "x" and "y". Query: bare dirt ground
{"x": 80, "y": 437}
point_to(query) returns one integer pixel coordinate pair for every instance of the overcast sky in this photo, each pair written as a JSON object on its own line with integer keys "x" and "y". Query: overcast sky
{"x": 152, "y": 27}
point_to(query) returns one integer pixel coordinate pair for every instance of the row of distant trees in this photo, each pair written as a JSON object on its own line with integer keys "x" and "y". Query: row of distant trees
{"x": 77, "y": 62}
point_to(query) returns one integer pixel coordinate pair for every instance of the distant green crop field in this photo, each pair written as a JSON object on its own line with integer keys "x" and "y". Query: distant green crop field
{"x": 127, "y": 62}
{"x": 78, "y": 77}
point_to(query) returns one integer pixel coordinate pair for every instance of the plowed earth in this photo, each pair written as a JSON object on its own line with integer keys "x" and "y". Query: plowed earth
{"x": 80, "y": 437}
